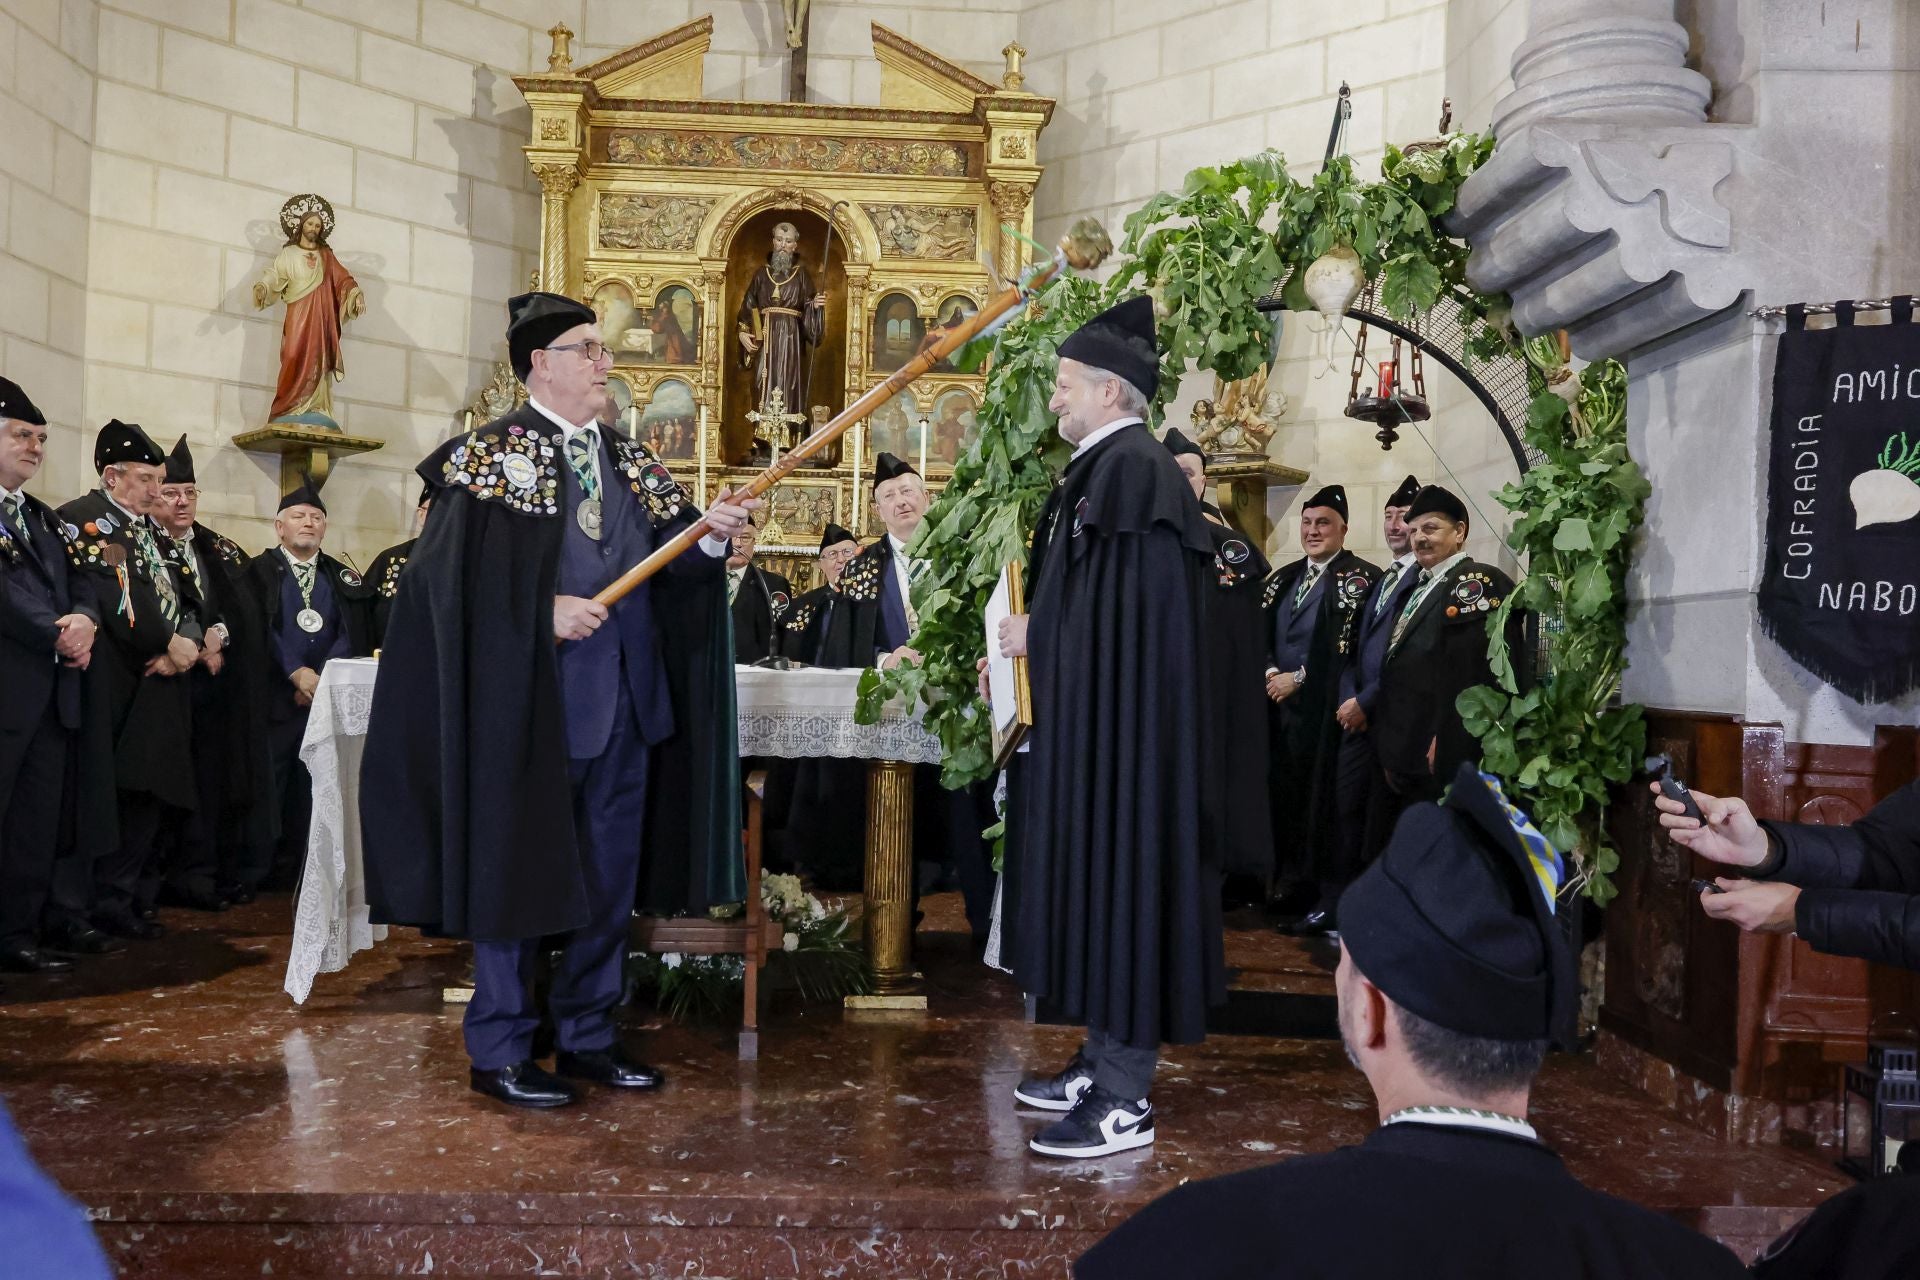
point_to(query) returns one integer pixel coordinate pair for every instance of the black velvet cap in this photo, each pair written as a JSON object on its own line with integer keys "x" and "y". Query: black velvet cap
{"x": 1333, "y": 495}
{"x": 887, "y": 467}
{"x": 1434, "y": 498}
{"x": 179, "y": 464}
{"x": 835, "y": 535}
{"x": 535, "y": 319}
{"x": 1177, "y": 444}
{"x": 14, "y": 404}
{"x": 1455, "y": 920}
{"x": 124, "y": 442}
{"x": 1120, "y": 340}
{"x": 1403, "y": 496}
{"x": 305, "y": 496}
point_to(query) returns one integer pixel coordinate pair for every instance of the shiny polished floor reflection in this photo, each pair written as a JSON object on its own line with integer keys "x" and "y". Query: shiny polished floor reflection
{"x": 216, "y": 1130}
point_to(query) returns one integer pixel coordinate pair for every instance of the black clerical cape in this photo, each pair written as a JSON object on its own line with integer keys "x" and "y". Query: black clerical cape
{"x": 247, "y": 684}
{"x": 1239, "y": 820}
{"x": 383, "y": 575}
{"x": 1304, "y": 736}
{"x": 1112, "y": 897}
{"x": 465, "y": 796}
{"x": 1420, "y": 1200}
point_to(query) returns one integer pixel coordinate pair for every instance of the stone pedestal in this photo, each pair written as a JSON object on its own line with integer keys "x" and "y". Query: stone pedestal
{"x": 305, "y": 452}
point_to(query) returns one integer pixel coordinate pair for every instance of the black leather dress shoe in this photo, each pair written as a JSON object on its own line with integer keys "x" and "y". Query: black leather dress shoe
{"x": 607, "y": 1066}
{"x": 524, "y": 1084}
{"x": 195, "y": 899}
{"x": 149, "y": 913}
{"x": 1294, "y": 901}
{"x": 235, "y": 892}
{"x": 82, "y": 940}
{"x": 32, "y": 960}
{"x": 124, "y": 924}
{"x": 1315, "y": 924}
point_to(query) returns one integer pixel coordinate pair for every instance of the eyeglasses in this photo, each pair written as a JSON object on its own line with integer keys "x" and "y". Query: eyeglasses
{"x": 591, "y": 349}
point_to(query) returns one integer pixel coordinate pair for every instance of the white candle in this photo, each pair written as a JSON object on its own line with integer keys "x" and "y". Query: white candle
{"x": 854, "y": 509}
{"x": 926, "y": 429}
{"x": 466, "y": 422}
{"x": 701, "y": 445}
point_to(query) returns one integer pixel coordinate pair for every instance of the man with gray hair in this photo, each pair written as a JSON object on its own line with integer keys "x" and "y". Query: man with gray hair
{"x": 781, "y": 321}
{"x": 1455, "y": 978}
{"x": 1111, "y": 901}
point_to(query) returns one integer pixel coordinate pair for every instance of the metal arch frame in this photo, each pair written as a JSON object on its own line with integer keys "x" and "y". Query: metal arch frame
{"x": 1523, "y": 457}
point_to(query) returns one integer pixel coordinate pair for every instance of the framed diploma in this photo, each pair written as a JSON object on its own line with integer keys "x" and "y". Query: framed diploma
{"x": 1011, "y": 696}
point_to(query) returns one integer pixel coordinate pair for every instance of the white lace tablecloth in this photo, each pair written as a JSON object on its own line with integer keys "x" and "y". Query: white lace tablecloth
{"x": 330, "y": 923}
{"x": 808, "y": 714}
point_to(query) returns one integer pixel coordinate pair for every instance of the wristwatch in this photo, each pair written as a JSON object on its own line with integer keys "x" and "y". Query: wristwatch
{"x": 1299, "y": 677}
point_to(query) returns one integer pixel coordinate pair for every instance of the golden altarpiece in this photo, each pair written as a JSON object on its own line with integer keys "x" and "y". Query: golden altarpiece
{"x": 659, "y": 206}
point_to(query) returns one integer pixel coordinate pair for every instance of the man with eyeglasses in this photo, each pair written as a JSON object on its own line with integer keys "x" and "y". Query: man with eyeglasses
{"x": 520, "y": 727}
{"x": 213, "y": 854}
{"x": 48, "y": 620}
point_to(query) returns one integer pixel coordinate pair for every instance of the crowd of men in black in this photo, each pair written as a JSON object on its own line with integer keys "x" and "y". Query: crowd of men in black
{"x": 157, "y": 685}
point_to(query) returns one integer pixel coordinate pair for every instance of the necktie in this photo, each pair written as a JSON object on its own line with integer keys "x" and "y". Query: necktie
{"x": 189, "y": 563}
{"x": 157, "y": 570}
{"x": 17, "y": 518}
{"x": 1307, "y": 579}
{"x": 915, "y": 569}
{"x": 734, "y": 577}
{"x": 581, "y": 447}
{"x": 303, "y": 578}
{"x": 1413, "y": 604}
{"x": 1391, "y": 581}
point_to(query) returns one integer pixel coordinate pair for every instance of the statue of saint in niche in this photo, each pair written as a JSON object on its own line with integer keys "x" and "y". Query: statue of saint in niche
{"x": 321, "y": 297}
{"x": 781, "y": 322}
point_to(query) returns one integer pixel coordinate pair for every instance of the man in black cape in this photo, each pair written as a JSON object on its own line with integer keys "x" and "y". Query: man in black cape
{"x": 758, "y": 597}
{"x": 505, "y": 790}
{"x": 1359, "y": 788}
{"x": 383, "y": 575}
{"x": 213, "y": 860}
{"x": 875, "y": 628}
{"x": 48, "y": 621}
{"x": 818, "y": 808}
{"x": 1454, "y": 980}
{"x": 151, "y": 636}
{"x": 1239, "y": 816}
{"x": 1313, "y": 607}
{"x": 1111, "y": 912}
{"x": 314, "y": 609}
{"x": 1438, "y": 649}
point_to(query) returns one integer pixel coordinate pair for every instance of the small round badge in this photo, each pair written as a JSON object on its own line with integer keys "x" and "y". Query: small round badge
{"x": 519, "y": 470}
{"x": 1080, "y": 510}
{"x": 657, "y": 479}
{"x": 1234, "y": 551}
{"x": 349, "y": 577}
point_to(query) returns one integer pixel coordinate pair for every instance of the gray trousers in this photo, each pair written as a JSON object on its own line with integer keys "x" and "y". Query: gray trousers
{"x": 1119, "y": 1067}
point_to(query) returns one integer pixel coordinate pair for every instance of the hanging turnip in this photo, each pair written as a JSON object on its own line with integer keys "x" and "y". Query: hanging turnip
{"x": 1333, "y": 280}
{"x": 1888, "y": 494}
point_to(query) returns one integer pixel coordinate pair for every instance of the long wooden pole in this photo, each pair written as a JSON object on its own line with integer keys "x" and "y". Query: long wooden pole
{"x": 1078, "y": 252}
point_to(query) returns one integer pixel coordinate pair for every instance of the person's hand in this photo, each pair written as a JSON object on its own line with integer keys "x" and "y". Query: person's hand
{"x": 214, "y": 643}
{"x": 904, "y": 654}
{"x": 1013, "y": 636}
{"x": 213, "y": 660}
{"x": 1281, "y": 685}
{"x": 76, "y": 636}
{"x": 1351, "y": 717}
{"x": 183, "y": 651}
{"x": 1757, "y": 906}
{"x": 980, "y": 669}
{"x": 302, "y": 699}
{"x": 819, "y": 300}
{"x": 751, "y": 343}
{"x": 729, "y": 514}
{"x": 305, "y": 681}
{"x": 1433, "y": 751}
{"x": 80, "y": 663}
{"x": 576, "y": 617}
{"x": 1731, "y": 835}
{"x": 160, "y": 665}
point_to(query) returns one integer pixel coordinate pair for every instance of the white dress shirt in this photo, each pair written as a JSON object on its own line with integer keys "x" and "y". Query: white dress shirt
{"x": 1101, "y": 433}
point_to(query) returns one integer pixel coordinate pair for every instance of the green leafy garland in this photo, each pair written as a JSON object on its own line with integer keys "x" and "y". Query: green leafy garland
{"x": 1204, "y": 254}
{"x": 1563, "y": 742}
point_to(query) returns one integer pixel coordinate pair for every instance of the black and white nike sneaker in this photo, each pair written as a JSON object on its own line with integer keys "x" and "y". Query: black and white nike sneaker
{"x": 1056, "y": 1093}
{"x": 1101, "y": 1123}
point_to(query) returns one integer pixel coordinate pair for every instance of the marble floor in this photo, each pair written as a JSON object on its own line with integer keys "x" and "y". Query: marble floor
{"x": 216, "y": 1130}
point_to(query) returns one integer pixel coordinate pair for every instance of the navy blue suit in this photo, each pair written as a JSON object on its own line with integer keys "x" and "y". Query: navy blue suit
{"x": 616, "y": 708}
{"x": 39, "y": 713}
{"x": 1293, "y": 627}
{"x": 1360, "y": 788}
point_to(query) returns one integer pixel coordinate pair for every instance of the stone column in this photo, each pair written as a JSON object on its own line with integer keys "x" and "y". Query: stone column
{"x": 557, "y": 183}
{"x": 1621, "y": 60}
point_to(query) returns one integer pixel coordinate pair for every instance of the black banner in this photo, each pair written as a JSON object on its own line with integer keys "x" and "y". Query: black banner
{"x": 1841, "y": 590}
